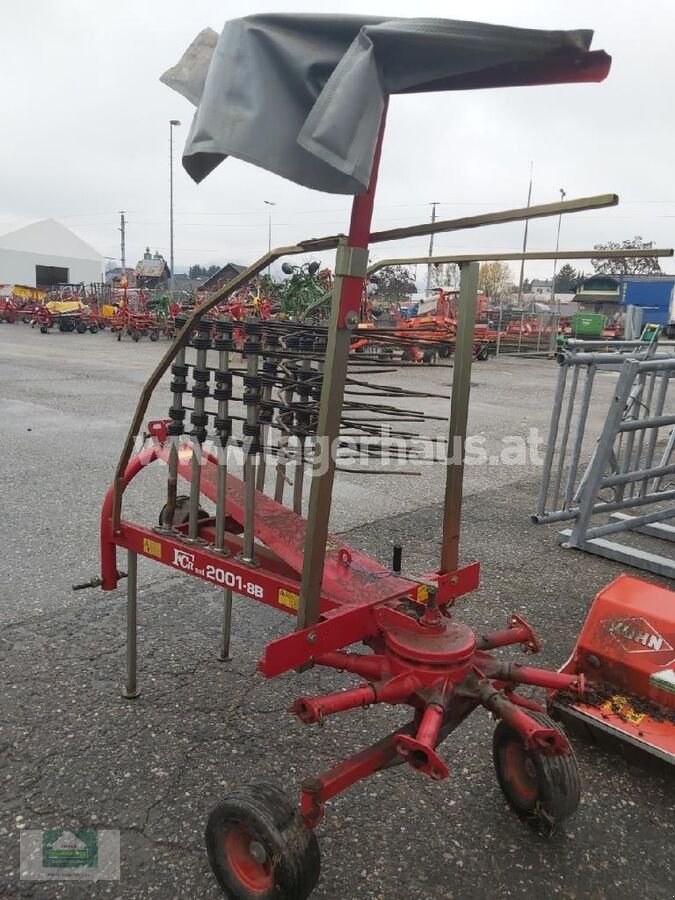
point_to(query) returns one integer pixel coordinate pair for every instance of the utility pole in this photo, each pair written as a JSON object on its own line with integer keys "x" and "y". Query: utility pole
{"x": 172, "y": 123}
{"x": 123, "y": 242}
{"x": 431, "y": 245}
{"x": 269, "y": 205}
{"x": 527, "y": 222}
{"x": 557, "y": 246}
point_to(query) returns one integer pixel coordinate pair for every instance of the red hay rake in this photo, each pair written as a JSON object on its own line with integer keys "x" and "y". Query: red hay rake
{"x": 420, "y": 655}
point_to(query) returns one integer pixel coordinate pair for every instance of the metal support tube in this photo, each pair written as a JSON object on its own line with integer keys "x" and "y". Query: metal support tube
{"x": 596, "y": 469}
{"x": 347, "y": 292}
{"x": 644, "y": 425}
{"x": 459, "y": 413}
{"x": 224, "y": 655}
{"x": 250, "y": 458}
{"x": 564, "y": 515}
{"x": 131, "y": 687}
{"x": 199, "y": 430}
{"x": 667, "y": 453}
{"x": 223, "y": 433}
{"x": 562, "y": 450}
{"x": 628, "y": 525}
{"x": 172, "y": 479}
{"x": 579, "y": 435}
{"x": 624, "y": 478}
{"x": 552, "y": 437}
{"x": 659, "y": 405}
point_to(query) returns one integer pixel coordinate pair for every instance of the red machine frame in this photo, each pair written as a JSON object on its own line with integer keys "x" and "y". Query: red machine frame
{"x": 421, "y": 655}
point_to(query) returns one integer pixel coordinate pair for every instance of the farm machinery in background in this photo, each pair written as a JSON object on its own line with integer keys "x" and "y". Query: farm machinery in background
{"x": 19, "y": 302}
{"x": 405, "y": 334}
{"x": 65, "y": 309}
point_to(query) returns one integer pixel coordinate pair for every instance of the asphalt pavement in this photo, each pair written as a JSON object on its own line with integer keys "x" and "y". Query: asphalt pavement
{"x": 73, "y": 753}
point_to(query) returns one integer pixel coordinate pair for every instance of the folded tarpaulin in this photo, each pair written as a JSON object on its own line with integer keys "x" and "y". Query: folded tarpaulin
{"x": 303, "y": 95}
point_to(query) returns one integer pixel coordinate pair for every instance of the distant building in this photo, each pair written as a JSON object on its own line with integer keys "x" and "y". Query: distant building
{"x": 117, "y": 273}
{"x": 183, "y": 282}
{"x": 45, "y": 254}
{"x": 612, "y": 294}
{"x": 152, "y": 271}
{"x": 222, "y": 276}
{"x": 540, "y": 287}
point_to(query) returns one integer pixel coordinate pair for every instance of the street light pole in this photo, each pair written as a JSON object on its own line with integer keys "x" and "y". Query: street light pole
{"x": 269, "y": 205}
{"x": 527, "y": 222}
{"x": 172, "y": 123}
{"x": 555, "y": 261}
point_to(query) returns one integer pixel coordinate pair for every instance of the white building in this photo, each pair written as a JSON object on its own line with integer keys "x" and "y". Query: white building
{"x": 46, "y": 253}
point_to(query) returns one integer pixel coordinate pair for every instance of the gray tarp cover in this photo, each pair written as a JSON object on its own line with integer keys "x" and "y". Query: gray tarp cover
{"x": 302, "y": 95}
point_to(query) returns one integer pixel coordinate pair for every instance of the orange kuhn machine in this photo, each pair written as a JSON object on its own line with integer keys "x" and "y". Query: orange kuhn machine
{"x": 310, "y": 104}
{"x": 626, "y": 650}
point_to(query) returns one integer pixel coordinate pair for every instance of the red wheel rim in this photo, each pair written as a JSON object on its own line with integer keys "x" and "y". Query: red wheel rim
{"x": 255, "y": 876}
{"x": 520, "y": 772}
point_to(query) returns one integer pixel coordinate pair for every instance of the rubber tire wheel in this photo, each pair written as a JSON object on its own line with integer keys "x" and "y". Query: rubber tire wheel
{"x": 262, "y": 813}
{"x": 483, "y": 354}
{"x": 406, "y": 355}
{"x": 552, "y": 781}
{"x": 44, "y": 329}
{"x": 181, "y": 513}
{"x": 428, "y": 357}
{"x": 81, "y": 328}
{"x": 135, "y": 335}
{"x": 154, "y": 336}
{"x": 444, "y": 351}
{"x": 93, "y": 329}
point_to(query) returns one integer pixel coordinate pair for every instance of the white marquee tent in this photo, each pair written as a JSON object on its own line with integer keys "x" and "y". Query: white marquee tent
{"x": 47, "y": 253}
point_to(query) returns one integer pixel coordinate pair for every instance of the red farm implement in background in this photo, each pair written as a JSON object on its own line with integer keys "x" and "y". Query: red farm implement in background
{"x": 8, "y": 310}
{"x": 418, "y": 653}
{"x": 421, "y": 338}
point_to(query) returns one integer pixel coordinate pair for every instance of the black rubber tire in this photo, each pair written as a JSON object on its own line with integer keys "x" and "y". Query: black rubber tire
{"x": 262, "y": 813}
{"x": 406, "y": 355}
{"x": 444, "y": 351}
{"x": 26, "y": 320}
{"x": 483, "y": 354}
{"x": 181, "y": 513}
{"x": 429, "y": 358}
{"x": 44, "y": 329}
{"x": 552, "y": 786}
{"x": 93, "y": 329}
{"x": 154, "y": 336}
{"x": 135, "y": 335}
{"x": 81, "y": 327}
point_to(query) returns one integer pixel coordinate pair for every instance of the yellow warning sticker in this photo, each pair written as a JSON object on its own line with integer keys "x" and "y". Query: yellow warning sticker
{"x": 288, "y": 599}
{"x": 620, "y": 706}
{"x": 152, "y": 548}
{"x": 422, "y": 593}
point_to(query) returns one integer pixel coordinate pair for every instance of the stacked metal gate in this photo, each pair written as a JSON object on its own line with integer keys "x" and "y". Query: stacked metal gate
{"x": 620, "y": 479}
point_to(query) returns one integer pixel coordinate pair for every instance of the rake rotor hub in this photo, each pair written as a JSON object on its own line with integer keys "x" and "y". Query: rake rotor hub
{"x": 435, "y": 665}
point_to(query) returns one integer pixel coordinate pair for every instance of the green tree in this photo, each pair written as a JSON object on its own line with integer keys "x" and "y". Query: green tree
{"x": 626, "y": 265}
{"x": 495, "y": 279}
{"x": 198, "y": 271}
{"x": 566, "y": 279}
{"x": 394, "y": 282}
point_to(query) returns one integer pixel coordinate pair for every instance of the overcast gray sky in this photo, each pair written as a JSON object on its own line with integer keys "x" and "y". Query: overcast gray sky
{"x": 85, "y": 133}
